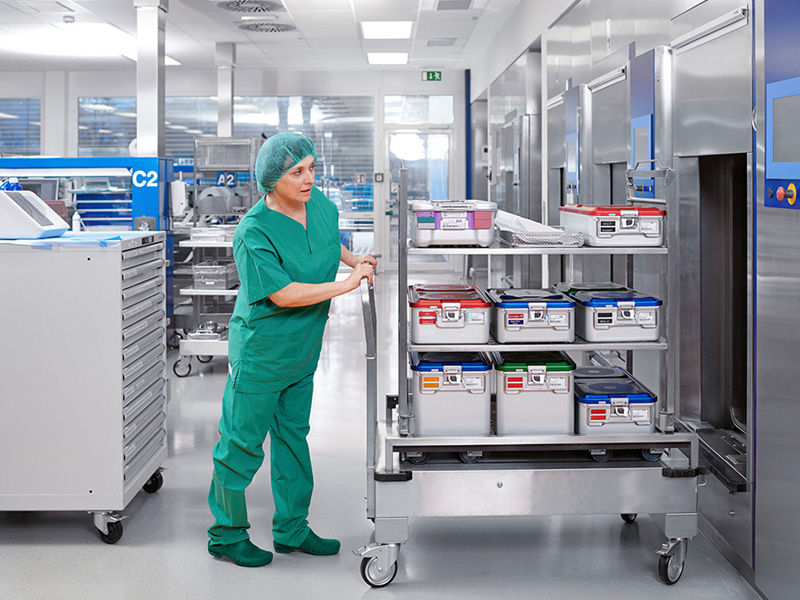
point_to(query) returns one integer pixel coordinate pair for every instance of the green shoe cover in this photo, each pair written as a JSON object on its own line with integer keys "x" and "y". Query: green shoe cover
{"x": 313, "y": 544}
{"x": 244, "y": 553}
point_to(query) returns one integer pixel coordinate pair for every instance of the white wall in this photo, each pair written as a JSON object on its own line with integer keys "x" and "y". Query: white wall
{"x": 489, "y": 57}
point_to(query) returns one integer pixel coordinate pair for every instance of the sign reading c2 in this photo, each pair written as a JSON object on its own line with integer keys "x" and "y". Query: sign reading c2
{"x": 145, "y": 178}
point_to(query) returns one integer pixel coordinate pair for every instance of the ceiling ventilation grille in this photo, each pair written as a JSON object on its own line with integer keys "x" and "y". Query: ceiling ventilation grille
{"x": 453, "y": 4}
{"x": 251, "y": 7}
{"x": 267, "y": 27}
{"x": 441, "y": 42}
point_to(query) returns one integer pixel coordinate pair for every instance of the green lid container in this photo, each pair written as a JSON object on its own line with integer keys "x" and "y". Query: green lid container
{"x": 520, "y": 361}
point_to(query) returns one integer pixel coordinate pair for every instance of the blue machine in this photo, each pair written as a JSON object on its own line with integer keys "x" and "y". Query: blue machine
{"x": 642, "y": 81}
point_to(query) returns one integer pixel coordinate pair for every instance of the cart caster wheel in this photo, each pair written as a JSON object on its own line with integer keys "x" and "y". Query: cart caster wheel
{"x": 629, "y": 517}
{"x": 670, "y": 569}
{"x": 154, "y": 483}
{"x": 114, "y": 533}
{"x": 465, "y": 458}
{"x": 601, "y": 458}
{"x": 179, "y": 371}
{"x": 651, "y": 456}
{"x": 175, "y": 340}
{"x": 373, "y": 577}
{"x": 417, "y": 460}
{"x": 204, "y": 359}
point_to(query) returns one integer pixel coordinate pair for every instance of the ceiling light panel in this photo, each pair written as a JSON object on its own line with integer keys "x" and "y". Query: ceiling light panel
{"x": 386, "y": 30}
{"x": 387, "y": 58}
{"x": 440, "y": 42}
{"x": 453, "y": 4}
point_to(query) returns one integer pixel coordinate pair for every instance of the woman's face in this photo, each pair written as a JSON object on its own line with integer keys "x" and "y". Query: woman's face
{"x": 295, "y": 186}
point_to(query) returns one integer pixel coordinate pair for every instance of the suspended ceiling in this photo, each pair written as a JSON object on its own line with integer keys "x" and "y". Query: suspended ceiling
{"x": 326, "y": 35}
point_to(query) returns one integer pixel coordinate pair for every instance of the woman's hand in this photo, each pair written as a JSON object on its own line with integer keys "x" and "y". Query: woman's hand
{"x": 362, "y": 270}
{"x": 368, "y": 258}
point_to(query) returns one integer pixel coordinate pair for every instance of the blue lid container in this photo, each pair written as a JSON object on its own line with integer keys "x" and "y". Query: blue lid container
{"x": 613, "y": 298}
{"x": 520, "y": 298}
{"x": 436, "y": 361}
{"x": 601, "y": 391}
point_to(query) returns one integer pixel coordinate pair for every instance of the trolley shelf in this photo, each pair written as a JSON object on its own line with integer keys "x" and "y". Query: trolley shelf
{"x": 498, "y": 248}
{"x": 200, "y": 244}
{"x": 578, "y": 345}
{"x": 196, "y": 292}
{"x": 204, "y": 347}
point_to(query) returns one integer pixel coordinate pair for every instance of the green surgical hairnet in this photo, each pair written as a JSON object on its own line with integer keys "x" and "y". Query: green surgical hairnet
{"x": 278, "y": 155}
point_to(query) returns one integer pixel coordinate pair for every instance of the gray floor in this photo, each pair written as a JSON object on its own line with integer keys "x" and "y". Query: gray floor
{"x": 162, "y": 553}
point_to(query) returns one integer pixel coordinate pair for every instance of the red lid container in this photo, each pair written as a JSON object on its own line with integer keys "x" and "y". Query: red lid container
{"x": 434, "y": 295}
{"x": 612, "y": 210}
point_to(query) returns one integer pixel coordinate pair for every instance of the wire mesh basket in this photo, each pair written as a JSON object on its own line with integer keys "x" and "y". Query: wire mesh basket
{"x": 555, "y": 237}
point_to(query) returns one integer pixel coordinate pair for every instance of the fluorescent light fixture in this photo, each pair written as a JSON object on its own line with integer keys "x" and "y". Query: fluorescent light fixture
{"x": 168, "y": 60}
{"x": 179, "y": 127}
{"x": 195, "y": 131}
{"x": 104, "y": 131}
{"x": 131, "y": 115}
{"x": 386, "y": 30}
{"x": 83, "y": 127}
{"x": 99, "y": 107}
{"x": 264, "y": 17}
{"x": 118, "y": 134}
{"x": 608, "y": 79}
{"x": 387, "y": 58}
{"x": 7, "y": 116}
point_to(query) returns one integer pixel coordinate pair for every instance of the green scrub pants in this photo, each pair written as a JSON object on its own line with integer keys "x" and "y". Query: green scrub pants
{"x": 246, "y": 420}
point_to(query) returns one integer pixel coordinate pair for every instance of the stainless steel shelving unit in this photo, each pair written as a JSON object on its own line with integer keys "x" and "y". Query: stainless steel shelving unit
{"x": 518, "y": 475}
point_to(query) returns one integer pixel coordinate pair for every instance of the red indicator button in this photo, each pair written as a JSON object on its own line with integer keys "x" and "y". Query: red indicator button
{"x": 781, "y": 194}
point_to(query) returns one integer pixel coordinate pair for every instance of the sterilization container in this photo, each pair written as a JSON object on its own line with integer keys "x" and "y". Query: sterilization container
{"x": 534, "y": 393}
{"x": 451, "y": 393}
{"x": 215, "y": 276}
{"x": 615, "y": 225}
{"x": 611, "y": 405}
{"x": 443, "y": 314}
{"x": 452, "y": 223}
{"x": 617, "y": 316}
{"x": 522, "y": 315}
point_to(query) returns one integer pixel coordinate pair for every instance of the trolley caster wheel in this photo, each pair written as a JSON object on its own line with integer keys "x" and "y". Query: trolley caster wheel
{"x": 629, "y": 517}
{"x": 179, "y": 371}
{"x": 468, "y": 459}
{"x": 417, "y": 460}
{"x": 204, "y": 359}
{"x": 114, "y": 533}
{"x": 651, "y": 456}
{"x": 605, "y": 457}
{"x": 373, "y": 577}
{"x": 154, "y": 483}
{"x": 670, "y": 569}
{"x": 175, "y": 341}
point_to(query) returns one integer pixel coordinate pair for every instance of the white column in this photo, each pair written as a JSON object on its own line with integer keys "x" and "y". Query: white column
{"x": 150, "y": 20}
{"x": 226, "y": 63}
{"x": 54, "y": 114}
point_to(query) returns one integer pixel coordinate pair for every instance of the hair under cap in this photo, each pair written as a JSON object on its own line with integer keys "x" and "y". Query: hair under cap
{"x": 278, "y": 155}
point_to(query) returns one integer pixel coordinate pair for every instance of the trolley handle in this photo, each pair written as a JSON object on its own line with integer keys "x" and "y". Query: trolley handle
{"x": 370, "y": 317}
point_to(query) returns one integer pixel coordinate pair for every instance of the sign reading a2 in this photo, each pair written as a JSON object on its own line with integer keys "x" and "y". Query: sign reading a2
{"x": 226, "y": 179}
{"x": 145, "y": 178}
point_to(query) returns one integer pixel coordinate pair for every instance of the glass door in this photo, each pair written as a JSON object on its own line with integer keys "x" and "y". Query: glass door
{"x": 426, "y": 155}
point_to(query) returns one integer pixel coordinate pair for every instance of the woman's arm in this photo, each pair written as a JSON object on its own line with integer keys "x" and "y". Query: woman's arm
{"x": 351, "y": 260}
{"x": 305, "y": 294}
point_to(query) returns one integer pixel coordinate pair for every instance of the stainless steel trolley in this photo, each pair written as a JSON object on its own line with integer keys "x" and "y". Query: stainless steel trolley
{"x": 398, "y": 489}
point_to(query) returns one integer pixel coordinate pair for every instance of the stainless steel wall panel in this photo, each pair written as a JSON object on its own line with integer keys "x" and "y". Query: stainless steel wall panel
{"x": 651, "y": 25}
{"x": 559, "y": 58}
{"x": 579, "y": 21}
{"x": 702, "y": 13}
{"x": 713, "y": 88}
{"x": 731, "y": 515}
{"x": 555, "y": 137}
{"x": 610, "y": 124}
{"x": 612, "y": 26}
{"x": 678, "y": 7}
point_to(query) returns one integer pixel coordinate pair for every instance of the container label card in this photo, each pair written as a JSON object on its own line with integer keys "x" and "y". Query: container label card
{"x": 649, "y": 226}
{"x": 473, "y": 382}
{"x": 646, "y": 318}
{"x": 558, "y": 384}
{"x": 475, "y": 317}
{"x": 455, "y": 223}
{"x": 559, "y": 320}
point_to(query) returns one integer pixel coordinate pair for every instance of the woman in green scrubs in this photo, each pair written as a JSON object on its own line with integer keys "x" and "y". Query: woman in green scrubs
{"x": 287, "y": 251}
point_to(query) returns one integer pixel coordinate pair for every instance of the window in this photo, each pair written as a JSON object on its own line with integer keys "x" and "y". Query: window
{"x": 20, "y": 126}
{"x": 406, "y": 110}
{"x": 342, "y": 128}
{"x": 106, "y": 126}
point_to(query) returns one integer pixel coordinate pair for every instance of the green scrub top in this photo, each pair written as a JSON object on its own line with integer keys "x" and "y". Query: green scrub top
{"x": 272, "y": 347}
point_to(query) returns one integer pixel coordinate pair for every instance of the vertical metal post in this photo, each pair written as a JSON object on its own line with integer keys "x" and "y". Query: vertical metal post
{"x": 225, "y": 61}
{"x": 150, "y": 22}
{"x": 371, "y": 332}
{"x": 402, "y": 310}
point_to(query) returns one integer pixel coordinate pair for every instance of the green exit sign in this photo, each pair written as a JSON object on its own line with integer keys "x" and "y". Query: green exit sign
{"x": 431, "y": 76}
